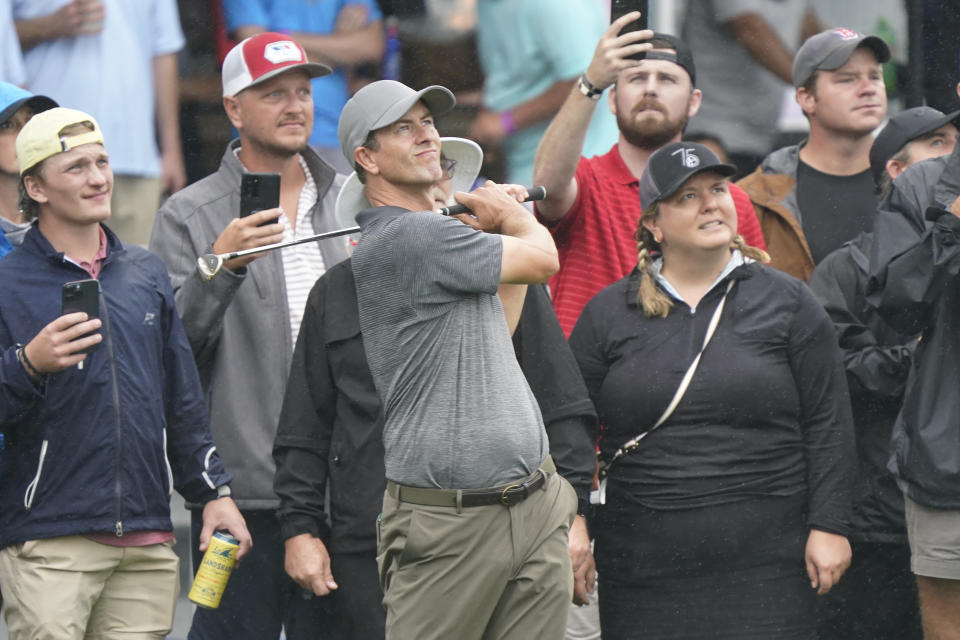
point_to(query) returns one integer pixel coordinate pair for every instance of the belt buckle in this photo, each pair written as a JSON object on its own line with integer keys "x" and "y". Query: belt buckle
{"x": 506, "y": 498}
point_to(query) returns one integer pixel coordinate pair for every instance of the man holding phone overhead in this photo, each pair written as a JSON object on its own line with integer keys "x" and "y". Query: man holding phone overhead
{"x": 92, "y": 453}
{"x": 243, "y": 322}
{"x": 592, "y": 204}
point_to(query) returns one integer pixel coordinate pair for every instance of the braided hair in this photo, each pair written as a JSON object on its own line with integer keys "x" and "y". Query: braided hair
{"x": 650, "y": 297}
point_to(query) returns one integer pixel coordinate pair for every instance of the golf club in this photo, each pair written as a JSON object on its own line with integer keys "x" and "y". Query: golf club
{"x": 210, "y": 264}
{"x": 533, "y": 193}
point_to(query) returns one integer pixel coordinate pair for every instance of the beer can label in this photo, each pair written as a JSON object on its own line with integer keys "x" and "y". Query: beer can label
{"x": 215, "y": 568}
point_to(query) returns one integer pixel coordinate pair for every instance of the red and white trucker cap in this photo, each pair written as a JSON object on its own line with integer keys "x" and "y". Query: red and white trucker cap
{"x": 262, "y": 57}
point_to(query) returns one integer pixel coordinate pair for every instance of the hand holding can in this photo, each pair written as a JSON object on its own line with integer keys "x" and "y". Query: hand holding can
{"x": 211, "y": 579}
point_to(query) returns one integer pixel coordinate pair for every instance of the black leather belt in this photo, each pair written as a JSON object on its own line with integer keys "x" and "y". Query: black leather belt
{"x": 507, "y": 495}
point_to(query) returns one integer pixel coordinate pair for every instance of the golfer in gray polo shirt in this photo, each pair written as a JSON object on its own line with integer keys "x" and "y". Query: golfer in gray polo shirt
{"x": 473, "y": 534}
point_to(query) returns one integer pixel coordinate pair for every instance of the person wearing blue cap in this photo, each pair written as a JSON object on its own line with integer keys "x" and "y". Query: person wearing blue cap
{"x": 16, "y": 107}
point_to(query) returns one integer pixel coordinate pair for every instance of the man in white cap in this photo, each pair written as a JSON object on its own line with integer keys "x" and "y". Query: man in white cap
{"x": 243, "y": 322}
{"x": 102, "y": 418}
{"x": 473, "y": 532}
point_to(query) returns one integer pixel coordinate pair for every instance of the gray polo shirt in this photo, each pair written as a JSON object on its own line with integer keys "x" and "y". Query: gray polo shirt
{"x": 459, "y": 413}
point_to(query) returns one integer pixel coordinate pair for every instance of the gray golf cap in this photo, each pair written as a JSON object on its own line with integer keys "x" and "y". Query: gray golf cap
{"x": 382, "y": 103}
{"x": 829, "y": 50}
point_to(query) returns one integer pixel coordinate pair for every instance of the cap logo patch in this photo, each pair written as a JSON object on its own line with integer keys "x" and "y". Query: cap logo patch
{"x": 687, "y": 156}
{"x": 283, "y": 51}
{"x": 846, "y": 34}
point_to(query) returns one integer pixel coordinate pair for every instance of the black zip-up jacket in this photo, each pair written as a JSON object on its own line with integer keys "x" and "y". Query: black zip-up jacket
{"x": 331, "y": 422}
{"x": 877, "y": 360}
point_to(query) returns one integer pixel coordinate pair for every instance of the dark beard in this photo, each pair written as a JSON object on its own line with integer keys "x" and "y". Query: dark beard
{"x": 650, "y": 136}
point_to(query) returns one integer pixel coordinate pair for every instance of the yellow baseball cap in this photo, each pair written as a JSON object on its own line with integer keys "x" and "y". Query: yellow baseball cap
{"x": 41, "y": 137}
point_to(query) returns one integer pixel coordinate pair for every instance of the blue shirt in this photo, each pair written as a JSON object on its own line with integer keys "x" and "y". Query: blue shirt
{"x": 311, "y": 16}
{"x": 5, "y": 247}
{"x": 109, "y": 74}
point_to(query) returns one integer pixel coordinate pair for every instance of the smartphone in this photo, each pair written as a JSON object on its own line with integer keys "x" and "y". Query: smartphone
{"x": 619, "y": 8}
{"x": 259, "y": 191}
{"x": 82, "y": 295}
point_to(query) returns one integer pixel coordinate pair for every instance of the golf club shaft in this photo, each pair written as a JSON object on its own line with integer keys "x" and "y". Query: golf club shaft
{"x": 281, "y": 245}
{"x": 534, "y": 193}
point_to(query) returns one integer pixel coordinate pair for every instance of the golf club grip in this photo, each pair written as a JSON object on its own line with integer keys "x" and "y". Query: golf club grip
{"x": 533, "y": 193}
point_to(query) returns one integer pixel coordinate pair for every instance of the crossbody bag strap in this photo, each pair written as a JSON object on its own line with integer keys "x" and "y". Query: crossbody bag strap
{"x": 632, "y": 444}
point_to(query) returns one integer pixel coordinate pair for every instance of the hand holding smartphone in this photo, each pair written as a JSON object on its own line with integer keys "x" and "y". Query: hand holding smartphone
{"x": 620, "y": 8}
{"x": 81, "y": 295}
{"x": 259, "y": 191}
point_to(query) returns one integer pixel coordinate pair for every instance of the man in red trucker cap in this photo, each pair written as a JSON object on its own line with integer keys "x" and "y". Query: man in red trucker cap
{"x": 243, "y": 322}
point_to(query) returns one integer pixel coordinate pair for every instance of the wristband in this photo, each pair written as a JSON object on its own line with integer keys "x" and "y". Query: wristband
{"x": 32, "y": 370}
{"x": 506, "y": 119}
{"x": 587, "y": 88}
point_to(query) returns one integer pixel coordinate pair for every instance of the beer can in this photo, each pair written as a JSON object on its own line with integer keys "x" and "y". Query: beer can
{"x": 214, "y": 571}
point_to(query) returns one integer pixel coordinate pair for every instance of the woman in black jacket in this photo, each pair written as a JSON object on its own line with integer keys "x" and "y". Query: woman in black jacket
{"x": 728, "y": 518}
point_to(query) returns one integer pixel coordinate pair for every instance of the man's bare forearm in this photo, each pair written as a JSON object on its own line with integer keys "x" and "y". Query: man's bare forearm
{"x": 344, "y": 49}
{"x": 763, "y": 44}
{"x": 559, "y": 154}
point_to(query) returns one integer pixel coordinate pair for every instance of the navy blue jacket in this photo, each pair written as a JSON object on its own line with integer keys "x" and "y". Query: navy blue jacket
{"x": 99, "y": 449}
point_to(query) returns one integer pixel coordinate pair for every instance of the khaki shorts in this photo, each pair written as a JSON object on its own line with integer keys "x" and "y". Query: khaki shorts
{"x": 934, "y": 540}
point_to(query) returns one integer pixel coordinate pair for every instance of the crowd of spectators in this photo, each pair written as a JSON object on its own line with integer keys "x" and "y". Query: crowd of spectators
{"x": 707, "y": 368}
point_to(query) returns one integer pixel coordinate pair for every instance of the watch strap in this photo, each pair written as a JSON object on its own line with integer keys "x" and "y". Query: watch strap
{"x": 587, "y": 88}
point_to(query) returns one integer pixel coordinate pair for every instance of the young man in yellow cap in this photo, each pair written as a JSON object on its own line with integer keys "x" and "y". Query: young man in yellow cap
{"x": 102, "y": 417}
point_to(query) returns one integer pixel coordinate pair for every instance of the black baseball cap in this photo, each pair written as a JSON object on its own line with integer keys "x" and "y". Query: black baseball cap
{"x": 672, "y": 165}
{"x": 830, "y": 50}
{"x": 681, "y": 54}
{"x": 902, "y": 128}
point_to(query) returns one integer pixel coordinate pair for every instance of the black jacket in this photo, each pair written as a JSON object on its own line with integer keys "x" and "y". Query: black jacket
{"x": 766, "y": 414}
{"x": 331, "y": 421}
{"x": 918, "y": 291}
{"x": 913, "y": 285}
{"x": 877, "y": 360}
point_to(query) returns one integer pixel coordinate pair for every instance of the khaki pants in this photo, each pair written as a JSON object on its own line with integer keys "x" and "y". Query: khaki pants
{"x": 133, "y": 207}
{"x": 72, "y": 588}
{"x": 490, "y": 572}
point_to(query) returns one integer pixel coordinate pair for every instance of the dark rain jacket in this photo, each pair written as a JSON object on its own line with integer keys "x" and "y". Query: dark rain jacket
{"x": 331, "y": 422}
{"x": 915, "y": 261}
{"x": 877, "y": 361}
{"x": 99, "y": 449}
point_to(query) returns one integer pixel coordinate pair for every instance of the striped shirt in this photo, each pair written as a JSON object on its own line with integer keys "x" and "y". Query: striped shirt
{"x": 303, "y": 263}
